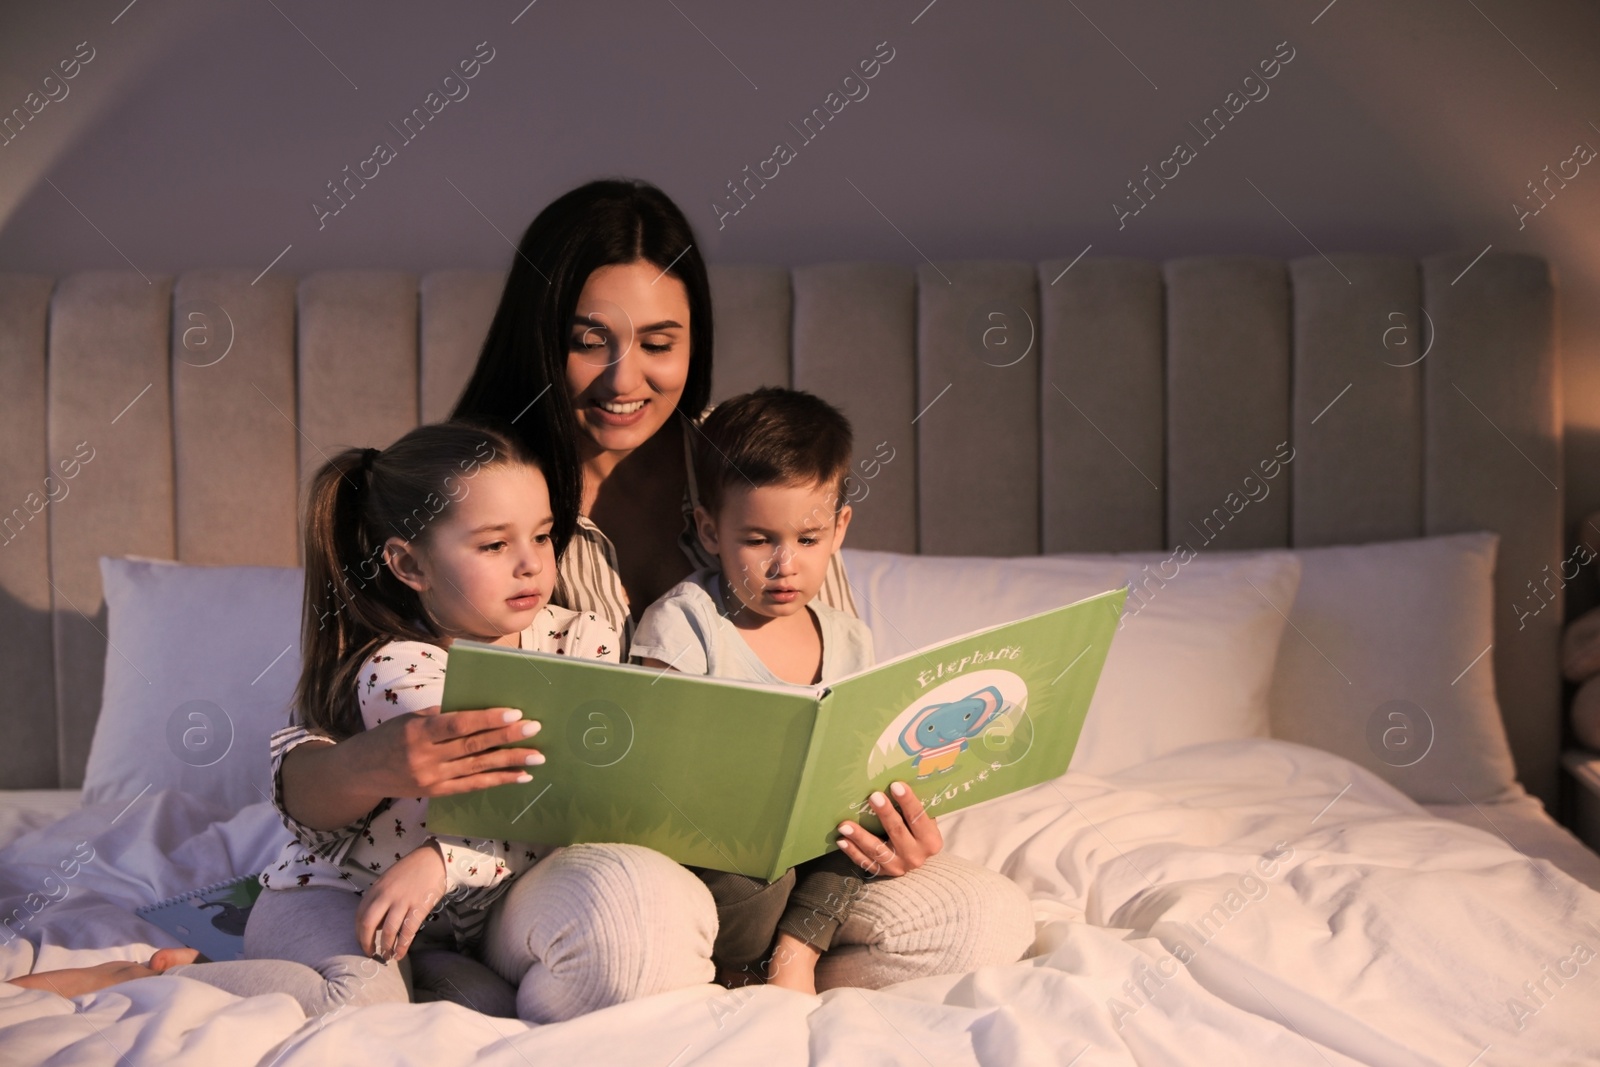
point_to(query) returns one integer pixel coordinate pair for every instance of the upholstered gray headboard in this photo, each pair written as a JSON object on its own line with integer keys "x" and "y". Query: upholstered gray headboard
{"x": 1093, "y": 405}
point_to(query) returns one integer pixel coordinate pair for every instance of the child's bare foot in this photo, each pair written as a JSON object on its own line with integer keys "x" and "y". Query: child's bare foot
{"x": 172, "y": 957}
{"x": 793, "y": 965}
{"x": 797, "y": 979}
{"x": 76, "y": 981}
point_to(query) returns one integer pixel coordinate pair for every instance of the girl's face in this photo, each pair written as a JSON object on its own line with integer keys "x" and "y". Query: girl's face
{"x": 485, "y": 567}
{"x": 628, "y": 353}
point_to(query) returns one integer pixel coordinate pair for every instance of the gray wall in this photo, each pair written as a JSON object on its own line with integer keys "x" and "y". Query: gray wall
{"x": 201, "y": 136}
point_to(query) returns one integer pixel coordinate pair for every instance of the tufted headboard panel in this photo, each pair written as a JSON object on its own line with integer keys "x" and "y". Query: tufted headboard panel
{"x": 1093, "y": 405}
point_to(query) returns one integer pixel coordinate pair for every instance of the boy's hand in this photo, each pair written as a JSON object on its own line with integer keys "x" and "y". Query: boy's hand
{"x": 398, "y": 903}
{"x": 914, "y": 838}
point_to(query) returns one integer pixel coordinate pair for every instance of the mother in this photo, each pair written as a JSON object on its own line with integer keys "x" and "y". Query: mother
{"x": 600, "y": 354}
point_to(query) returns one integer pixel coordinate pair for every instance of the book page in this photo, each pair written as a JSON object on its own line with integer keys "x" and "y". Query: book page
{"x": 961, "y": 722}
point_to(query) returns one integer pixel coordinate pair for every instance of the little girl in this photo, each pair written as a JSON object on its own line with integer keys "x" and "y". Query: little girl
{"x": 448, "y": 534}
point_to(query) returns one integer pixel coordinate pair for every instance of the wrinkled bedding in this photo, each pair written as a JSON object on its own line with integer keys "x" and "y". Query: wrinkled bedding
{"x": 1238, "y": 902}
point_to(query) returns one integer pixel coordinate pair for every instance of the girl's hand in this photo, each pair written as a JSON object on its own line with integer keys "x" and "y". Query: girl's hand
{"x": 914, "y": 837}
{"x": 398, "y": 903}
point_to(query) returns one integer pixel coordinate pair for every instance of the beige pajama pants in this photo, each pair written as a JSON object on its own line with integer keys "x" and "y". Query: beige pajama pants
{"x": 589, "y": 926}
{"x": 594, "y": 925}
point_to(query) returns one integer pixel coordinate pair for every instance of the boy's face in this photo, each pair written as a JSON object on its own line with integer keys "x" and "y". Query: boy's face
{"x": 774, "y": 543}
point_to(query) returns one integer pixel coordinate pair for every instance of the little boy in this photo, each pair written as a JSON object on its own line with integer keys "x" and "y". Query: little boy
{"x": 770, "y": 467}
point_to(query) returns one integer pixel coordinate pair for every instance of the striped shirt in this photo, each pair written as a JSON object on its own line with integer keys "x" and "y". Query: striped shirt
{"x": 587, "y": 580}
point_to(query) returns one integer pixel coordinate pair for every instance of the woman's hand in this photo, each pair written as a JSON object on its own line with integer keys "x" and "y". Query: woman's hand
{"x": 419, "y": 754}
{"x": 914, "y": 837}
{"x": 427, "y": 754}
{"x": 399, "y": 902}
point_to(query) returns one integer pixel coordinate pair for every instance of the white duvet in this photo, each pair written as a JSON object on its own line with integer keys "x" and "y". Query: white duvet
{"x": 1240, "y": 902}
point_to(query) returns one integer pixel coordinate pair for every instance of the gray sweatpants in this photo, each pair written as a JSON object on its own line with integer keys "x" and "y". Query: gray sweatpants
{"x": 586, "y": 927}
{"x": 303, "y": 942}
{"x": 589, "y": 926}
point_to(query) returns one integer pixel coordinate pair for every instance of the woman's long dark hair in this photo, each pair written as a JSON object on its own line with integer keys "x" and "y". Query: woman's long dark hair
{"x": 358, "y": 500}
{"x": 521, "y": 373}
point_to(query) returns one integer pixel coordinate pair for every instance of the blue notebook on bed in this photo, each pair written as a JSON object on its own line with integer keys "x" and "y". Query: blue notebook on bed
{"x": 210, "y": 919}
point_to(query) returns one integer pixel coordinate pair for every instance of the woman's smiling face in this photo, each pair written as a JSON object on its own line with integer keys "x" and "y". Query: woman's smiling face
{"x": 628, "y": 353}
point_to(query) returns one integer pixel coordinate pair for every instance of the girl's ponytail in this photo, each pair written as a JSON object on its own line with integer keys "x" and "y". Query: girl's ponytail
{"x": 332, "y": 632}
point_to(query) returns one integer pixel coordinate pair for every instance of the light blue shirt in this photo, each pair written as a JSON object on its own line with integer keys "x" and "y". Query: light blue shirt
{"x": 687, "y": 629}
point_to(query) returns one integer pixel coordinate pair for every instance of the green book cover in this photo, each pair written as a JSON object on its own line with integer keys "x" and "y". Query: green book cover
{"x": 753, "y": 778}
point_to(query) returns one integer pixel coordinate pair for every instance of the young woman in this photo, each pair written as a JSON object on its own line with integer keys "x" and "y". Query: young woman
{"x": 600, "y": 355}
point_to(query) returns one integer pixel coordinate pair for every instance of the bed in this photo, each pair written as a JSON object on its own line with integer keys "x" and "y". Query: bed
{"x": 1307, "y": 821}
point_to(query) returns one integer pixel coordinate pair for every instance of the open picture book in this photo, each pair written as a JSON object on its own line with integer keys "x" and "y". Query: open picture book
{"x": 218, "y": 934}
{"x": 755, "y": 778}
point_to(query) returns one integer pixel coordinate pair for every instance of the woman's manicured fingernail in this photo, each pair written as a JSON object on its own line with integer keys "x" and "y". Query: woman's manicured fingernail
{"x": 846, "y": 830}
{"x": 879, "y": 799}
{"x": 530, "y": 728}
{"x": 898, "y": 789}
{"x": 512, "y": 716}
{"x": 533, "y": 759}
{"x": 524, "y": 778}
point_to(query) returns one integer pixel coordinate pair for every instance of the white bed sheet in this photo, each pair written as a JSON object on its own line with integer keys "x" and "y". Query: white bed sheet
{"x": 1383, "y": 936}
{"x": 23, "y": 810}
{"x": 1522, "y": 822}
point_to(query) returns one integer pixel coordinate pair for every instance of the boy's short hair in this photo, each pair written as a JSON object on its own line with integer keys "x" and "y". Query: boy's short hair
{"x": 772, "y": 437}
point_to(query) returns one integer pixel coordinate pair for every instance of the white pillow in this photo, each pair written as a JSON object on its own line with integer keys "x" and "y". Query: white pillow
{"x": 200, "y": 671}
{"x": 1408, "y": 623}
{"x": 1401, "y": 620}
{"x": 1191, "y": 662}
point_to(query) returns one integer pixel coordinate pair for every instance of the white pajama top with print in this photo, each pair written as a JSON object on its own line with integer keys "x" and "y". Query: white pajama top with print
{"x": 407, "y": 676}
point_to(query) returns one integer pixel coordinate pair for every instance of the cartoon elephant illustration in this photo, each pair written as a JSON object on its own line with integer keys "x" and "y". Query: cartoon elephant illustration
{"x": 939, "y": 733}
{"x": 230, "y": 920}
